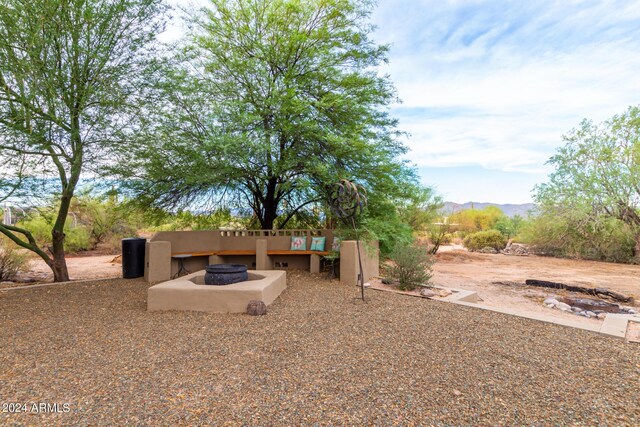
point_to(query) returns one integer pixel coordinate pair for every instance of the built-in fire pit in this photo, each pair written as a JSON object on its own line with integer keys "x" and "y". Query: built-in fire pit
{"x": 189, "y": 293}
{"x": 225, "y": 274}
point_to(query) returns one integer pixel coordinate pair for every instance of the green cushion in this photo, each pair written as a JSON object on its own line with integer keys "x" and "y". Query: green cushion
{"x": 298, "y": 243}
{"x": 317, "y": 243}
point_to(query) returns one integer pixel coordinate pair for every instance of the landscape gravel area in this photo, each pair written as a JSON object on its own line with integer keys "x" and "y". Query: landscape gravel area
{"x": 319, "y": 357}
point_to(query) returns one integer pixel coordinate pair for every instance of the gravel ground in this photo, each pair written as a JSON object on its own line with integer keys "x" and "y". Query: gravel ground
{"x": 318, "y": 357}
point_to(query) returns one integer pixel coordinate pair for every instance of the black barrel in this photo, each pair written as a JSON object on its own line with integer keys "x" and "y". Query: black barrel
{"x": 133, "y": 257}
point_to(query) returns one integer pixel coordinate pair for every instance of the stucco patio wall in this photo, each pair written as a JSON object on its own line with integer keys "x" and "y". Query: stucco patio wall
{"x": 160, "y": 266}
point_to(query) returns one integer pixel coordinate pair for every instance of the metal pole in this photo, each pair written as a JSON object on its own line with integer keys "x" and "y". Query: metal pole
{"x": 361, "y": 275}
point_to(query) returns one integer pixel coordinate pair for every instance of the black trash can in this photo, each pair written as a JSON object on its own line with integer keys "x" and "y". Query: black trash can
{"x": 133, "y": 257}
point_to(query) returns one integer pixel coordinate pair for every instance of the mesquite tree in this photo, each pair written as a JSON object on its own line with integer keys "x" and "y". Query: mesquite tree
{"x": 274, "y": 101}
{"x": 598, "y": 173}
{"x": 69, "y": 77}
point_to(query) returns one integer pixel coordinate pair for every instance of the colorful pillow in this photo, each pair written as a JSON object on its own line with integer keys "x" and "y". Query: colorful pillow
{"x": 317, "y": 243}
{"x": 298, "y": 243}
{"x": 335, "y": 246}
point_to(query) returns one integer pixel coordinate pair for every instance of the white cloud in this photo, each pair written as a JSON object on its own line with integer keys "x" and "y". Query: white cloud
{"x": 496, "y": 84}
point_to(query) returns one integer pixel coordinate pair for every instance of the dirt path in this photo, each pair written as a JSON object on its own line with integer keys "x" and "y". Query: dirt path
{"x": 80, "y": 268}
{"x": 473, "y": 268}
{"x": 480, "y": 272}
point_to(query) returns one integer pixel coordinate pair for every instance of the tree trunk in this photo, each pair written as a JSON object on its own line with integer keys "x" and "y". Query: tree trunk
{"x": 636, "y": 250}
{"x": 270, "y": 215}
{"x": 270, "y": 205}
{"x": 59, "y": 265}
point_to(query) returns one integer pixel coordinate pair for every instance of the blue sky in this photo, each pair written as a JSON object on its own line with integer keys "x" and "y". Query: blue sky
{"x": 489, "y": 87}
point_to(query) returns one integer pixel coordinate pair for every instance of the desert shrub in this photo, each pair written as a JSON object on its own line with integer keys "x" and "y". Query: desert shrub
{"x": 106, "y": 220}
{"x": 577, "y": 236}
{"x": 482, "y": 239}
{"x": 77, "y": 238}
{"x": 509, "y": 227}
{"x": 387, "y": 233}
{"x": 12, "y": 261}
{"x": 474, "y": 220}
{"x": 412, "y": 266}
{"x": 39, "y": 227}
{"x": 438, "y": 235}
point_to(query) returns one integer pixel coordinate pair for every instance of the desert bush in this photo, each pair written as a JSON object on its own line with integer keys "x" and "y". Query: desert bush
{"x": 438, "y": 235}
{"x": 388, "y": 233}
{"x": 412, "y": 266}
{"x": 509, "y": 227}
{"x": 12, "y": 261}
{"x": 482, "y": 239}
{"x": 77, "y": 238}
{"x": 106, "y": 219}
{"x": 474, "y": 220}
{"x": 576, "y": 235}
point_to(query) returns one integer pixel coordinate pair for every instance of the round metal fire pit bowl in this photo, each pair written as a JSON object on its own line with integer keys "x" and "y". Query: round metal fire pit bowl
{"x": 225, "y": 274}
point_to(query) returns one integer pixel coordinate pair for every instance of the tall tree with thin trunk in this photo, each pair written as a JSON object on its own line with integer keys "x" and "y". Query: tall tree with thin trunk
{"x": 274, "y": 101}
{"x": 69, "y": 79}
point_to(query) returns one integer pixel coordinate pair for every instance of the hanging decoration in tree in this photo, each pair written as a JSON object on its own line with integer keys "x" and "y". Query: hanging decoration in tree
{"x": 348, "y": 200}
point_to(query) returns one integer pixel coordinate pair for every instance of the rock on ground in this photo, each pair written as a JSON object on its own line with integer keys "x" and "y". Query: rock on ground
{"x": 256, "y": 308}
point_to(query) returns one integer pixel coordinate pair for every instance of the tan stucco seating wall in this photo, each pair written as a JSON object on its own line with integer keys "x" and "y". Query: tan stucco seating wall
{"x": 208, "y": 245}
{"x": 214, "y": 240}
{"x": 190, "y": 241}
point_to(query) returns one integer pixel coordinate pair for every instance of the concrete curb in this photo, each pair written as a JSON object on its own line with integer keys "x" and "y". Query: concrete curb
{"x": 614, "y": 325}
{"x": 73, "y": 282}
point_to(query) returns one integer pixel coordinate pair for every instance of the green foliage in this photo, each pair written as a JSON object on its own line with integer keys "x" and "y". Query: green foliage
{"x": 104, "y": 218}
{"x": 390, "y": 233}
{"x": 412, "y": 266}
{"x": 391, "y": 216}
{"x": 186, "y": 220}
{"x": 474, "y": 220}
{"x": 420, "y": 210}
{"x": 596, "y": 180}
{"x": 509, "y": 227}
{"x": 272, "y": 103}
{"x": 439, "y": 234}
{"x": 483, "y": 239}
{"x": 77, "y": 237}
{"x": 12, "y": 261}
{"x": 93, "y": 221}
{"x": 576, "y": 234}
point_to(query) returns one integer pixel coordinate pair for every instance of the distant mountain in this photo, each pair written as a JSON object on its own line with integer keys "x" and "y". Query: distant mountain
{"x": 508, "y": 209}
